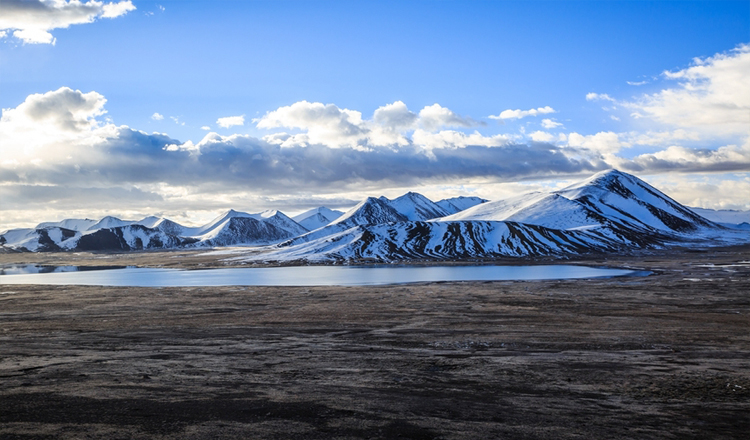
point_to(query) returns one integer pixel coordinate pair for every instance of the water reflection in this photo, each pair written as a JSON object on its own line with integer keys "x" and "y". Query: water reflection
{"x": 17, "y": 269}
{"x": 297, "y": 275}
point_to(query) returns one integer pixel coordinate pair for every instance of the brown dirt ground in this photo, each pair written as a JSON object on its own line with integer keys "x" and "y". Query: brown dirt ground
{"x": 665, "y": 356}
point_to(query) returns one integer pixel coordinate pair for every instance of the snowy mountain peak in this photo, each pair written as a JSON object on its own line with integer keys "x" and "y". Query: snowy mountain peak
{"x": 268, "y": 213}
{"x": 628, "y": 202}
{"x": 74, "y": 224}
{"x": 416, "y": 207}
{"x": 150, "y": 221}
{"x": 109, "y": 222}
{"x": 317, "y": 217}
{"x": 370, "y": 211}
{"x": 457, "y": 204}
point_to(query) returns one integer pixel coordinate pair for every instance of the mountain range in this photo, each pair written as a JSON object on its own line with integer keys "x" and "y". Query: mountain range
{"x": 609, "y": 212}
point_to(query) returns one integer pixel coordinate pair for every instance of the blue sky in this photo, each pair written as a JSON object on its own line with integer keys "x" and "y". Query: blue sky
{"x": 193, "y": 62}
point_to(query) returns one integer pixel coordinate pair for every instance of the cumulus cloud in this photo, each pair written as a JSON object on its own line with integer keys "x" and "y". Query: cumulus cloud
{"x": 604, "y": 143}
{"x": 518, "y": 114}
{"x": 435, "y": 117}
{"x": 397, "y": 116}
{"x": 61, "y": 140}
{"x": 157, "y": 117}
{"x": 231, "y": 121}
{"x": 542, "y": 136}
{"x": 550, "y": 124}
{"x": 32, "y": 20}
{"x": 329, "y": 125}
{"x": 677, "y": 158}
{"x": 712, "y": 95}
{"x": 79, "y": 150}
{"x": 57, "y": 117}
{"x": 206, "y": 128}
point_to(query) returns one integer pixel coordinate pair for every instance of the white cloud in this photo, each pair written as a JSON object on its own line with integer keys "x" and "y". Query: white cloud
{"x": 542, "y": 136}
{"x": 32, "y": 20}
{"x": 59, "y": 147}
{"x": 396, "y": 117}
{"x": 434, "y": 117}
{"x": 157, "y": 117}
{"x": 726, "y": 158}
{"x": 326, "y": 124}
{"x": 713, "y": 96}
{"x": 636, "y": 83}
{"x": 456, "y": 139}
{"x": 206, "y": 127}
{"x": 614, "y": 118}
{"x": 518, "y": 114}
{"x": 605, "y": 143}
{"x": 712, "y": 191}
{"x": 599, "y": 97}
{"x": 231, "y": 121}
{"x": 390, "y": 126}
{"x": 550, "y": 124}
{"x": 114, "y": 10}
{"x": 662, "y": 138}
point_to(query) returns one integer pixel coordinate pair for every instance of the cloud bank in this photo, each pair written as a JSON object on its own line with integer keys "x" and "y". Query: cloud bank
{"x": 32, "y": 20}
{"x": 58, "y": 144}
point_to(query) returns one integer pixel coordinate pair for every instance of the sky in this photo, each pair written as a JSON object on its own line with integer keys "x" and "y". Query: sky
{"x": 186, "y": 108}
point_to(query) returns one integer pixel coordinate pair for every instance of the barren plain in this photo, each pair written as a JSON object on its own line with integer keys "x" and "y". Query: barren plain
{"x": 665, "y": 356}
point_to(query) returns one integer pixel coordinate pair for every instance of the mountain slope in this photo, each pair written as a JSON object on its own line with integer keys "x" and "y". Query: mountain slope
{"x": 74, "y": 224}
{"x": 416, "y": 207}
{"x": 317, "y": 217}
{"x": 456, "y": 204}
{"x": 626, "y": 205}
{"x": 627, "y": 201}
{"x": 281, "y": 221}
{"x": 443, "y": 240}
{"x": 370, "y": 211}
{"x": 129, "y": 237}
{"x": 109, "y": 222}
{"x": 48, "y": 239}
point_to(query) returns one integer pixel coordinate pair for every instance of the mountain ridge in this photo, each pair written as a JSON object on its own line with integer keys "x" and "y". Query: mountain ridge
{"x": 610, "y": 211}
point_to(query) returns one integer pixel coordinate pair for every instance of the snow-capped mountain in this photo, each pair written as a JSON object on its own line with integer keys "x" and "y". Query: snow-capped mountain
{"x": 47, "y": 239}
{"x": 317, "y": 217}
{"x": 242, "y": 231}
{"x": 443, "y": 240}
{"x": 74, "y": 224}
{"x": 416, "y": 207}
{"x": 235, "y": 227}
{"x": 215, "y": 223}
{"x": 456, "y": 204}
{"x": 370, "y": 211}
{"x": 611, "y": 211}
{"x": 281, "y": 221}
{"x": 623, "y": 203}
{"x": 109, "y": 222}
{"x": 167, "y": 226}
{"x": 129, "y": 237}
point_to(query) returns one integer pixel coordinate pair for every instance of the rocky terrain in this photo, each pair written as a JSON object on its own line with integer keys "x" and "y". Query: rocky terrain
{"x": 660, "y": 357}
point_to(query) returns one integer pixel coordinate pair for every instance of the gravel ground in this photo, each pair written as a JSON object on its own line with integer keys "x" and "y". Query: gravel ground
{"x": 665, "y": 356}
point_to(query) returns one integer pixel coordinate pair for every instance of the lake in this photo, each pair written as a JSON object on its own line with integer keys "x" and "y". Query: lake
{"x": 296, "y": 275}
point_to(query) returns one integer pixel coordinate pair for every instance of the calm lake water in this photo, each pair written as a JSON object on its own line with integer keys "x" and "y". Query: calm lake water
{"x": 297, "y": 276}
